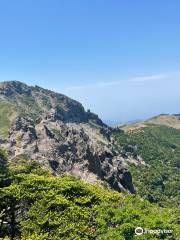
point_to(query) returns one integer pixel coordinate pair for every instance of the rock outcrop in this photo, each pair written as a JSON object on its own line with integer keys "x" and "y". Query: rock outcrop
{"x": 58, "y": 132}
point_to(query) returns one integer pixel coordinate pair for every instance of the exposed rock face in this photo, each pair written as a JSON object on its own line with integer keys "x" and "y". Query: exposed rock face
{"x": 64, "y": 137}
{"x": 41, "y": 103}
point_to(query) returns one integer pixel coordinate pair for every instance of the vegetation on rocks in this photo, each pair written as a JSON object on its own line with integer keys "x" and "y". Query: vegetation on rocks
{"x": 7, "y": 114}
{"x": 56, "y": 130}
{"x": 36, "y": 205}
{"x": 159, "y": 147}
{"x": 49, "y": 136}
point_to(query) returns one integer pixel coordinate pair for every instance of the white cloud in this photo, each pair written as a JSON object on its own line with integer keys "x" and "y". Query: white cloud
{"x": 147, "y": 78}
{"x": 155, "y": 77}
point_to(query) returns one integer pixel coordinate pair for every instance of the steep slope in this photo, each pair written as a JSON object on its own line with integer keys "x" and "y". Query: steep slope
{"x": 7, "y": 114}
{"x": 37, "y": 102}
{"x": 34, "y": 205}
{"x": 55, "y": 130}
{"x": 159, "y": 147}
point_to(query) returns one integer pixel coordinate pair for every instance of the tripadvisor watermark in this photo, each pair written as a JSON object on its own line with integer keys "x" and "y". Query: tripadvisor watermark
{"x": 140, "y": 231}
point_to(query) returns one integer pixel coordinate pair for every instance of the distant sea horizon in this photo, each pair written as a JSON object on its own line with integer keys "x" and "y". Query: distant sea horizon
{"x": 116, "y": 122}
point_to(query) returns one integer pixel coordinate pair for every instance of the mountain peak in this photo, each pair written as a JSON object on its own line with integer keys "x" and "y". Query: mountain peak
{"x": 54, "y": 129}
{"x": 12, "y": 87}
{"x": 12, "y": 83}
{"x": 36, "y": 102}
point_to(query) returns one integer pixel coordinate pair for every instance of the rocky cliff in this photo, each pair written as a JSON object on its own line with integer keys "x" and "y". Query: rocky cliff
{"x": 56, "y": 130}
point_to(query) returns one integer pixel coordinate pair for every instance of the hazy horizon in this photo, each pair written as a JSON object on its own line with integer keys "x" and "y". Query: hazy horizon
{"x": 107, "y": 120}
{"x": 119, "y": 59}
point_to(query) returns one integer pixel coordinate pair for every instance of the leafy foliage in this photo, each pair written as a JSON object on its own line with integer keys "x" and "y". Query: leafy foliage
{"x": 44, "y": 207}
{"x": 3, "y": 167}
{"x": 159, "y": 146}
{"x": 21, "y": 164}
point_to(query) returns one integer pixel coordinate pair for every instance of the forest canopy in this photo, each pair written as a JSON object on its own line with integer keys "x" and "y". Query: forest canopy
{"x": 36, "y": 205}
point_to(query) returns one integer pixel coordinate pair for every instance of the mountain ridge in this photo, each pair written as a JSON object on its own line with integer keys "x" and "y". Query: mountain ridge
{"x": 56, "y": 130}
{"x": 169, "y": 120}
{"x": 42, "y": 101}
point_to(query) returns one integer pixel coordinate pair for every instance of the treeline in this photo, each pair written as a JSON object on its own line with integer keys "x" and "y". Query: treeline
{"x": 34, "y": 205}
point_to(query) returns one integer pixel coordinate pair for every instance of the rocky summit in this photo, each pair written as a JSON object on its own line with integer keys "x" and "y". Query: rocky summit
{"x": 57, "y": 131}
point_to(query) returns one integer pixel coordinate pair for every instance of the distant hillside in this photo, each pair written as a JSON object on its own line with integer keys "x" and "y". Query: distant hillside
{"x": 166, "y": 120}
{"x": 162, "y": 119}
{"x": 49, "y": 143}
{"x": 157, "y": 179}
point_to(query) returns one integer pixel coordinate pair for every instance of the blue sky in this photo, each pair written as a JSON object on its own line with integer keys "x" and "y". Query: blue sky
{"x": 121, "y": 59}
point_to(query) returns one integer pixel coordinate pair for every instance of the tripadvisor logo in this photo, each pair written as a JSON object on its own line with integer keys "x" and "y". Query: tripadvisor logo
{"x": 140, "y": 231}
